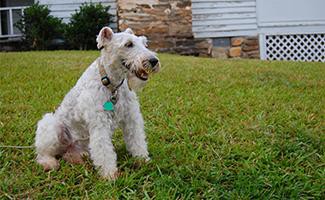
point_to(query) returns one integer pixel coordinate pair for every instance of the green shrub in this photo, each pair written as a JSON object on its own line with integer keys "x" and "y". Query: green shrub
{"x": 85, "y": 25}
{"x": 39, "y": 27}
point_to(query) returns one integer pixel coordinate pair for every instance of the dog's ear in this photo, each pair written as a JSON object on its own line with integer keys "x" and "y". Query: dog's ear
{"x": 104, "y": 37}
{"x": 144, "y": 40}
{"x": 129, "y": 30}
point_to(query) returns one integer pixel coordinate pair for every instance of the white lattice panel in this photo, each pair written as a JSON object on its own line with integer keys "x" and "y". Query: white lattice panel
{"x": 304, "y": 47}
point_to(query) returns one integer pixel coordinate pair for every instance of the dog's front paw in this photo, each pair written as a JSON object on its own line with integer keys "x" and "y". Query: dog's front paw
{"x": 111, "y": 175}
{"x": 147, "y": 159}
{"x": 143, "y": 158}
{"x": 139, "y": 162}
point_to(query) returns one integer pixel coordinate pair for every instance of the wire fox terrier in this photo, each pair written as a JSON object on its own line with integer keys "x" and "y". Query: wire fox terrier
{"x": 102, "y": 99}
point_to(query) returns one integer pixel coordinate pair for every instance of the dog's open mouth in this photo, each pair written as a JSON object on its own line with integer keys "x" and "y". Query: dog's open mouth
{"x": 142, "y": 74}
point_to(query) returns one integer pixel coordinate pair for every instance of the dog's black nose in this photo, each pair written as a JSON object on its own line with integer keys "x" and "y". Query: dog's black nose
{"x": 153, "y": 61}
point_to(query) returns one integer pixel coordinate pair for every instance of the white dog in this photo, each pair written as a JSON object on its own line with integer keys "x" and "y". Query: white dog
{"x": 102, "y": 99}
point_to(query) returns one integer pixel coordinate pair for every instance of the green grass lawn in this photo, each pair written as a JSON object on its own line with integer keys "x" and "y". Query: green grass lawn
{"x": 231, "y": 129}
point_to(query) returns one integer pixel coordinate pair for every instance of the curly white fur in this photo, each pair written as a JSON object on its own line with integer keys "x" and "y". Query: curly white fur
{"x": 80, "y": 125}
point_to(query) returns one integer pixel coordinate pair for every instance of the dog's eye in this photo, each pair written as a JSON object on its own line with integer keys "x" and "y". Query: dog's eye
{"x": 129, "y": 44}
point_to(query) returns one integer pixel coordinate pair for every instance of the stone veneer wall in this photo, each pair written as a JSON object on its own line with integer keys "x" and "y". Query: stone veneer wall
{"x": 166, "y": 23}
{"x": 168, "y": 26}
{"x": 240, "y": 47}
{"x": 244, "y": 47}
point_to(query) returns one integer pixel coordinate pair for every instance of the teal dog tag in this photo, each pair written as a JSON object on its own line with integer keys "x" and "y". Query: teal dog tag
{"x": 108, "y": 106}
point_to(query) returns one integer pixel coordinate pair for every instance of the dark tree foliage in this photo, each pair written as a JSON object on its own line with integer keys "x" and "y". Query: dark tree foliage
{"x": 39, "y": 27}
{"x": 85, "y": 25}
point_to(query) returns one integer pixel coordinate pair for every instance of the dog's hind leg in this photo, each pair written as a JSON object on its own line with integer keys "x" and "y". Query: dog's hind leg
{"x": 52, "y": 139}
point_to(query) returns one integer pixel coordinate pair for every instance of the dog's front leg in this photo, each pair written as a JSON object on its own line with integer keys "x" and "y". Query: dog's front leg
{"x": 102, "y": 151}
{"x": 133, "y": 131}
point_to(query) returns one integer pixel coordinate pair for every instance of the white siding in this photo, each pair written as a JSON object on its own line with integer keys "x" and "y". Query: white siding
{"x": 301, "y": 12}
{"x": 221, "y": 18}
{"x": 291, "y": 29}
{"x": 292, "y": 16}
{"x": 64, "y": 8}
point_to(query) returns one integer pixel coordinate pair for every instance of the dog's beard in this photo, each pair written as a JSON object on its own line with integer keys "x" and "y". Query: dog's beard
{"x": 139, "y": 73}
{"x": 135, "y": 83}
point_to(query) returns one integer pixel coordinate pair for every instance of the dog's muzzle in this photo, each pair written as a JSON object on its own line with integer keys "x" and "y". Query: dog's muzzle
{"x": 149, "y": 66}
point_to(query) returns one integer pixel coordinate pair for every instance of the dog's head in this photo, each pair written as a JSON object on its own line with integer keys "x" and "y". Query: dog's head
{"x": 131, "y": 51}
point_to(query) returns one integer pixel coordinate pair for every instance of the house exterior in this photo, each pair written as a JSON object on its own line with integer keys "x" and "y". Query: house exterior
{"x": 11, "y": 10}
{"x": 64, "y": 8}
{"x": 287, "y": 29}
{"x": 272, "y": 29}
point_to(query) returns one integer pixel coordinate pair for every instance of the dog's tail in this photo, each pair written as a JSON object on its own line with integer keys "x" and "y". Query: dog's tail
{"x": 51, "y": 135}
